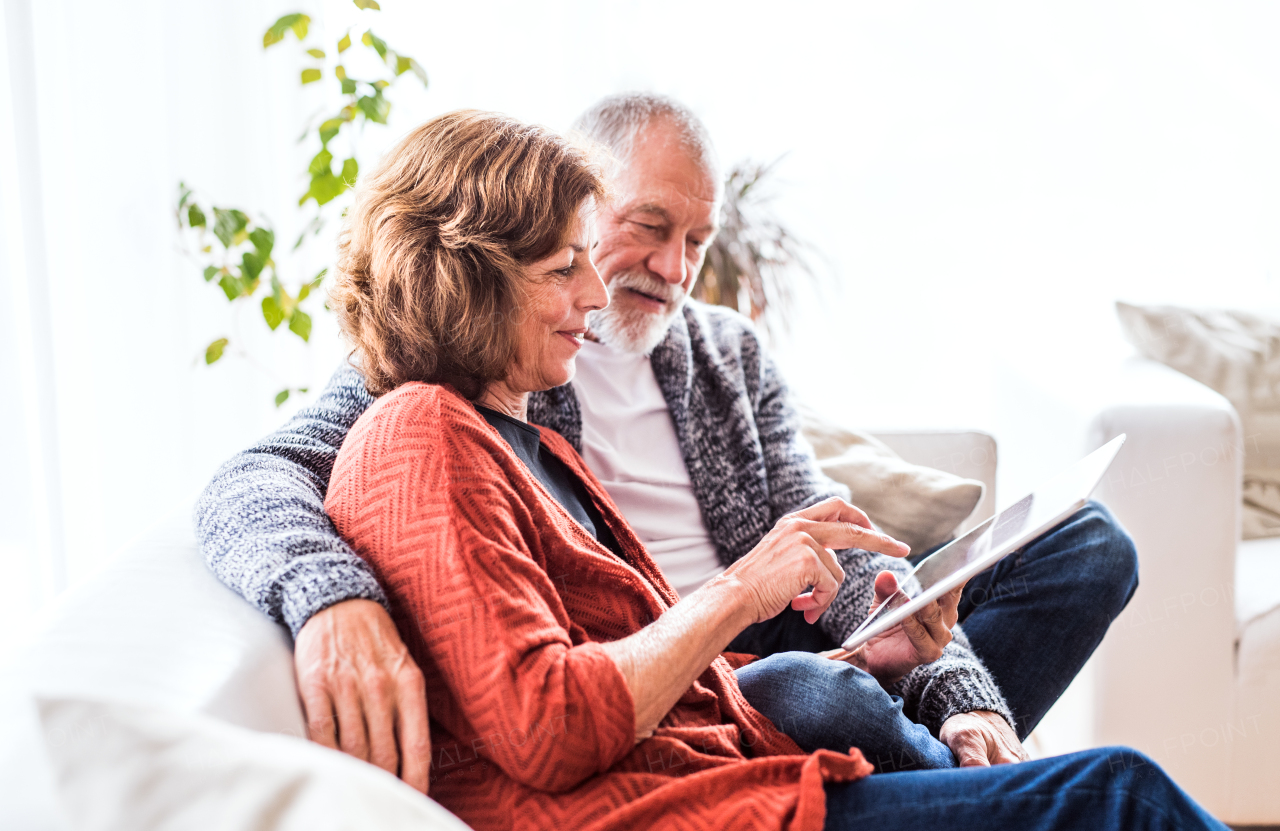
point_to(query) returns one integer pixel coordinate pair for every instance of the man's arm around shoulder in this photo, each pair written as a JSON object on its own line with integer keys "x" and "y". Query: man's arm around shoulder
{"x": 264, "y": 532}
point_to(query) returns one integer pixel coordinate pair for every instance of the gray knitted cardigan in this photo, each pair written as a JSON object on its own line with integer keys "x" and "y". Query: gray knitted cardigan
{"x": 263, "y": 529}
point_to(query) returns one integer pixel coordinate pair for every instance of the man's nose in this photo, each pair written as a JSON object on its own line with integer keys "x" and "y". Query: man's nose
{"x": 669, "y": 263}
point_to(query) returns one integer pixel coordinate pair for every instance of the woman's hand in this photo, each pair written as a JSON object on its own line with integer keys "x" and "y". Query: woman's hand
{"x": 661, "y": 660}
{"x": 794, "y": 565}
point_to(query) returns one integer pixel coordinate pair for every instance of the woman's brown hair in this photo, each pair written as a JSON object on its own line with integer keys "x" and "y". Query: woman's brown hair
{"x": 431, "y": 260}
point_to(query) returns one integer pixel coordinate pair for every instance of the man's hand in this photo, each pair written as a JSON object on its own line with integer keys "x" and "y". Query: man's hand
{"x": 981, "y": 739}
{"x": 361, "y": 690}
{"x": 918, "y": 640}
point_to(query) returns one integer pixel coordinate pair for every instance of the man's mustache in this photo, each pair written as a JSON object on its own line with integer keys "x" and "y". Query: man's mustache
{"x": 646, "y": 284}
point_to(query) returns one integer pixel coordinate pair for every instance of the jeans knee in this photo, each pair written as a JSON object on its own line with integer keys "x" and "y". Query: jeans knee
{"x": 1135, "y": 774}
{"x": 1113, "y": 557}
{"x": 800, "y": 692}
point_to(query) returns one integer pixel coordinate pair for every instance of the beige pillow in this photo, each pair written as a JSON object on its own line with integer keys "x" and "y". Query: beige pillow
{"x": 918, "y": 505}
{"x": 1238, "y": 355}
{"x": 121, "y": 767}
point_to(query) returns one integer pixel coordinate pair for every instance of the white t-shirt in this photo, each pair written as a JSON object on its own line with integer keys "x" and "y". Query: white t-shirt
{"x": 630, "y": 444}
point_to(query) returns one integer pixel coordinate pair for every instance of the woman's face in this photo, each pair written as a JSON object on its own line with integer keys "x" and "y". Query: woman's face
{"x": 561, "y": 289}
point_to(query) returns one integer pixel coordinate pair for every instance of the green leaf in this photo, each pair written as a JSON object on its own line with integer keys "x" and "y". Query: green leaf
{"x": 214, "y": 350}
{"x": 184, "y": 193}
{"x": 251, "y": 264}
{"x": 282, "y": 397}
{"x": 228, "y": 224}
{"x": 210, "y": 271}
{"x": 290, "y": 21}
{"x": 381, "y": 84}
{"x": 263, "y": 239}
{"x": 310, "y": 75}
{"x": 324, "y": 189}
{"x": 320, "y": 163}
{"x": 350, "y": 170}
{"x": 345, "y": 43}
{"x": 318, "y": 54}
{"x": 403, "y": 65}
{"x": 379, "y": 45}
{"x": 231, "y": 285}
{"x": 375, "y": 107}
{"x": 300, "y": 324}
{"x": 367, "y": 4}
{"x": 271, "y": 311}
{"x": 195, "y": 216}
{"x": 348, "y": 86}
{"x": 341, "y": 72}
{"x": 330, "y": 128}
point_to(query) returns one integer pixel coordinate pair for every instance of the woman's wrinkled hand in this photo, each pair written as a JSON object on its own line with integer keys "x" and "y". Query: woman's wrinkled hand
{"x": 793, "y": 564}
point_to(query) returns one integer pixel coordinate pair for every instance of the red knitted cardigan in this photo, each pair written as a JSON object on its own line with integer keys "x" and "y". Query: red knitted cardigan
{"x": 503, "y": 600}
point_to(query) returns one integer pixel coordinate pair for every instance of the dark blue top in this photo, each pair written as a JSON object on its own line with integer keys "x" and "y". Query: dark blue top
{"x": 555, "y": 476}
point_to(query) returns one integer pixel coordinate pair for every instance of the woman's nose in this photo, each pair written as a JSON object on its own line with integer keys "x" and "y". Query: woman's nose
{"x": 593, "y": 295}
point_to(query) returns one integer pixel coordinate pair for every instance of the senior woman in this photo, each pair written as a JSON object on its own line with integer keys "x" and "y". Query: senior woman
{"x": 569, "y": 686}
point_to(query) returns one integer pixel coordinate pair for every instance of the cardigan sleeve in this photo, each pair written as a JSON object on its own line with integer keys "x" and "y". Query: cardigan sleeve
{"x": 261, "y": 521}
{"x": 448, "y": 536}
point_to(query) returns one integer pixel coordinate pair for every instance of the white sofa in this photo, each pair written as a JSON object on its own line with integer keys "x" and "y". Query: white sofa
{"x": 156, "y": 629}
{"x": 1190, "y": 672}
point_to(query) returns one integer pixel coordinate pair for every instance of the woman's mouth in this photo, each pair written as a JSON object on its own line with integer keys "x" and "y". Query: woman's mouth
{"x": 575, "y": 337}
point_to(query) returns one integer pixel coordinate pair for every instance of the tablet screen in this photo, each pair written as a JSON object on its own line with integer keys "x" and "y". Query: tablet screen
{"x": 981, "y": 543}
{"x": 981, "y": 548}
{"x": 973, "y": 546}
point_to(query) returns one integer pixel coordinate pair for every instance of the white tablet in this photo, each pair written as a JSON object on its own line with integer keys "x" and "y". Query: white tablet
{"x": 1017, "y": 525}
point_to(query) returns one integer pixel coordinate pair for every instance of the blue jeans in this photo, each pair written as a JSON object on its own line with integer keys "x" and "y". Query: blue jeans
{"x": 1033, "y": 619}
{"x": 1108, "y": 788}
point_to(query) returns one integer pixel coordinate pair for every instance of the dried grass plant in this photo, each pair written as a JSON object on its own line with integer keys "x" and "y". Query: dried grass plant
{"x": 754, "y": 262}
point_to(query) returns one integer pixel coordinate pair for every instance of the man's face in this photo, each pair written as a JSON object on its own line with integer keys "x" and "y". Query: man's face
{"x": 653, "y": 237}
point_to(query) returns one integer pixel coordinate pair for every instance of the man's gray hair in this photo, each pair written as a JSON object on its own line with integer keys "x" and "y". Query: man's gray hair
{"x": 617, "y": 120}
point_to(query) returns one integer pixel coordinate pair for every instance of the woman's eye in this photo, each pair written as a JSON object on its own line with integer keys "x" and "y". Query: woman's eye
{"x": 567, "y": 271}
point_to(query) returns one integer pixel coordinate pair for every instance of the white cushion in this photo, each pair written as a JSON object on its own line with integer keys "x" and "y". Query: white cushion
{"x": 1257, "y": 580}
{"x": 156, "y": 627}
{"x": 126, "y": 768}
{"x": 154, "y": 630}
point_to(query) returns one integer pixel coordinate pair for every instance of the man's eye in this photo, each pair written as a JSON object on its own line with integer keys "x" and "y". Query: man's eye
{"x": 647, "y": 227}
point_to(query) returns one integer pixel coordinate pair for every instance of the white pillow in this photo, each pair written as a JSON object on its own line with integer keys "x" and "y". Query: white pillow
{"x": 129, "y": 768}
{"x": 917, "y": 505}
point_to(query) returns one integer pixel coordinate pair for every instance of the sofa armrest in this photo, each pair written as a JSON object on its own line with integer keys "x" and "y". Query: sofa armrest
{"x": 1164, "y": 672}
{"x": 967, "y": 453}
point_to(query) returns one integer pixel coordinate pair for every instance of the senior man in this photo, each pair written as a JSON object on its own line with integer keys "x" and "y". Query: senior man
{"x": 686, "y": 421}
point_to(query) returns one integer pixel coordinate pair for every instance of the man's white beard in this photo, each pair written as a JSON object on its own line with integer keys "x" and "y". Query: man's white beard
{"x": 629, "y": 329}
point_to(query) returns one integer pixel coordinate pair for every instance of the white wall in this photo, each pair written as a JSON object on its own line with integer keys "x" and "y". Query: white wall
{"x": 984, "y": 178}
